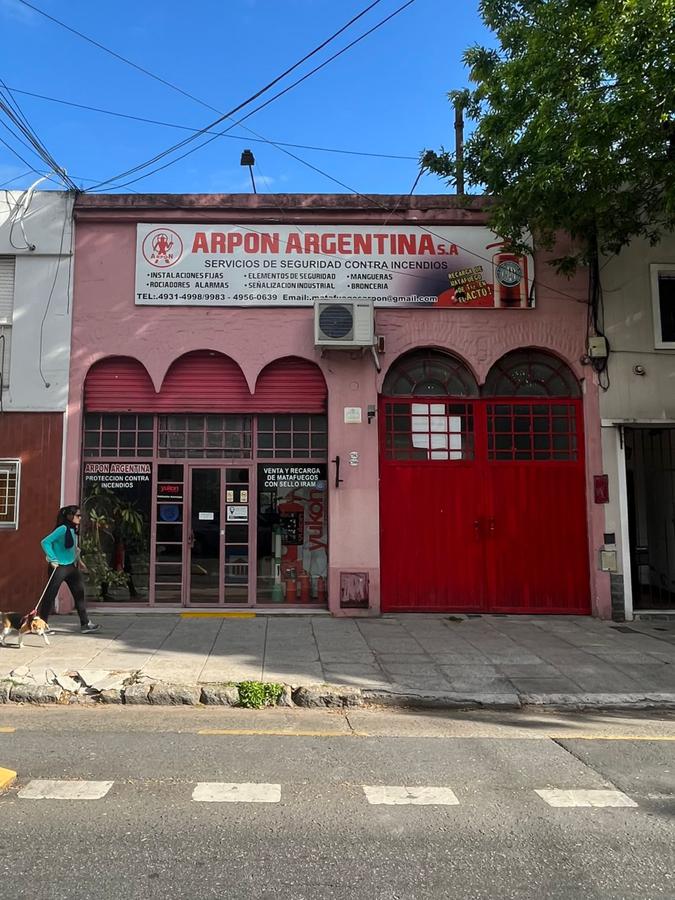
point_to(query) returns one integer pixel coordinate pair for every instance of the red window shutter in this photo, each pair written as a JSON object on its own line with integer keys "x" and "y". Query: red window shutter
{"x": 203, "y": 382}
{"x": 290, "y": 385}
{"x": 118, "y": 384}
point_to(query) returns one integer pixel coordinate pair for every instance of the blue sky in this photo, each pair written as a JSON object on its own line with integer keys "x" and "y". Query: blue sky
{"x": 386, "y": 95}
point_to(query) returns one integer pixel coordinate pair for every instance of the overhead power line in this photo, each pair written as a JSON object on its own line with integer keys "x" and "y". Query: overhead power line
{"x": 176, "y": 87}
{"x": 243, "y": 118}
{"x": 232, "y": 112}
{"x": 15, "y": 115}
{"x": 186, "y": 93}
{"x": 234, "y": 137}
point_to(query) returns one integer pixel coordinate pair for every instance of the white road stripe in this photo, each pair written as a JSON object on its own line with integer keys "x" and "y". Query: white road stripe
{"x": 390, "y": 795}
{"x": 65, "y": 790}
{"x": 558, "y": 797}
{"x": 226, "y": 792}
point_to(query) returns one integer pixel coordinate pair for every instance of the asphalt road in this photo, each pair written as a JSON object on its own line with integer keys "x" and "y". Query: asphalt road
{"x": 321, "y": 838}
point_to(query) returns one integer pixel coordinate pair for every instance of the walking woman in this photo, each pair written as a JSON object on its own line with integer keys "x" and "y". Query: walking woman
{"x": 63, "y": 555}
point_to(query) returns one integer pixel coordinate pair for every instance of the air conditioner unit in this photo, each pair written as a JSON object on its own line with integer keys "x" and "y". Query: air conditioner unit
{"x": 344, "y": 323}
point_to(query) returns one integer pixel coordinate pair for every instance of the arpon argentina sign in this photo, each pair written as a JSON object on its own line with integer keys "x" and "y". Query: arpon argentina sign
{"x": 242, "y": 265}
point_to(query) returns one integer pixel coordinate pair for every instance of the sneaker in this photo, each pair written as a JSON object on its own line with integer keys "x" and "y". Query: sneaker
{"x": 89, "y": 627}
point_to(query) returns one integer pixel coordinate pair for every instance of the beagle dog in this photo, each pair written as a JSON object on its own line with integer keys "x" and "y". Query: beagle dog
{"x": 13, "y": 621}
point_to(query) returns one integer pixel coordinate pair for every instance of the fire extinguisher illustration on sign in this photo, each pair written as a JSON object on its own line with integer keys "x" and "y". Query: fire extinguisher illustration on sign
{"x": 509, "y": 277}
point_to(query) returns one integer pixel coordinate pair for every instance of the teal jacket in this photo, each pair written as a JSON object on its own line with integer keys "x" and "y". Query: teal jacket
{"x": 55, "y": 548}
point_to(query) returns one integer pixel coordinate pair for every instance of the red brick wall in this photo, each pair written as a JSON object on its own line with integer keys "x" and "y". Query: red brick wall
{"x": 37, "y": 440}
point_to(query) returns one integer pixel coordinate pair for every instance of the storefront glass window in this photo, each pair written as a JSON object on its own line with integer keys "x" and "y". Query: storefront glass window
{"x": 115, "y": 541}
{"x": 292, "y": 533}
{"x": 205, "y": 437}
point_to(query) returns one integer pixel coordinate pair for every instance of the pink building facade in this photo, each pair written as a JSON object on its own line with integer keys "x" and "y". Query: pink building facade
{"x": 233, "y": 462}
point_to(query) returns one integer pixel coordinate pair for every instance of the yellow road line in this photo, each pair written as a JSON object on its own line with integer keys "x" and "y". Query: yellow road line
{"x": 218, "y": 615}
{"x": 7, "y": 729}
{"x": 7, "y": 776}
{"x": 279, "y": 732}
{"x": 456, "y": 737}
{"x": 612, "y": 737}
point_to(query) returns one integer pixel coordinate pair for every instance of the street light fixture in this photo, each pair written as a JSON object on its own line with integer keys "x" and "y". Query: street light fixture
{"x": 247, "y": 159}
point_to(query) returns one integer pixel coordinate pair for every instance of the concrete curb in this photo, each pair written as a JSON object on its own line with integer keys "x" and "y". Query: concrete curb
{"x": 440, "y": 700}
{"x": 7, "y": 776}
{"x": 329, "y": 696}
{"x": 648, "y": 700}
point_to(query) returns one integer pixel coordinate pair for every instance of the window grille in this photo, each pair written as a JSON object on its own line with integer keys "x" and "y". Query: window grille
{"x": 10, "y": 479}
{"x": 292, "y": 437}
{"x": 123, "y": 435}
{"x": 429, "y": 431}
{"x": 532, "y": 431}
{"x": 205, "y": 437}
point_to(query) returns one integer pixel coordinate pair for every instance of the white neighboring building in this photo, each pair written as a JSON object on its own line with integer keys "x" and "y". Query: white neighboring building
{"x": 35, "y": 323}
{"x": 638, "y": 418}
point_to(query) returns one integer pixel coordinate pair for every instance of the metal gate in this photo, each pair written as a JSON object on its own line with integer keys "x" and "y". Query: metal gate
{"x": 483, "y": 505}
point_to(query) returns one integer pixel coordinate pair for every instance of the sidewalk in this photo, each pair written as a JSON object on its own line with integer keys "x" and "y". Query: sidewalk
{"x": 482, "y": 660}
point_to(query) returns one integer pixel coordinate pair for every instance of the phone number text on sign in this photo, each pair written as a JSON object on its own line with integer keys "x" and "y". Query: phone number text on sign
{"x": 237, "y": 265}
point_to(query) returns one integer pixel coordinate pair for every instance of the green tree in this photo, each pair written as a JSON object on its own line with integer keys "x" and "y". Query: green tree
{"x": 574, "y": 113}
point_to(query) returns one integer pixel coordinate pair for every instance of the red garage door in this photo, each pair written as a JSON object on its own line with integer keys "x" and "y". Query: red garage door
{"x": 482, "y": 498}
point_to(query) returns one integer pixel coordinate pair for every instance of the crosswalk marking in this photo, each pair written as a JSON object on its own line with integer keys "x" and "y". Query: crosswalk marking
{"x": 599, "y": 798}
{"x": 391, "y": 795}
{"x": 65, "y": 790}
{"x": 227, "y": 792}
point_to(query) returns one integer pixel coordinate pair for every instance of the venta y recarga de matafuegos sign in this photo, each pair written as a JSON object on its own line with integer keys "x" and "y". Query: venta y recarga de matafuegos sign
{"x": 237, "y": 265}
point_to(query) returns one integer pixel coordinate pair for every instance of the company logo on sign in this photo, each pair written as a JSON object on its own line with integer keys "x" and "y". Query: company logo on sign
{"x": 509, "y": 273}
{"x": 162, "y": 248}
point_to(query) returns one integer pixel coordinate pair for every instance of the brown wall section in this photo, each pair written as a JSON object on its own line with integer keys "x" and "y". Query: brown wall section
{"x": 37, "y": 440}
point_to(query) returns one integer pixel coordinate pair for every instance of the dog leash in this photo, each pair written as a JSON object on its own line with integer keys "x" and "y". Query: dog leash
{"x": 33, "y": 612}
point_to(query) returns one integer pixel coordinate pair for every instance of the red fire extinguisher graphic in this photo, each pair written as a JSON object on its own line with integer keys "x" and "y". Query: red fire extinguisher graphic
{"x": 509, "y": 276}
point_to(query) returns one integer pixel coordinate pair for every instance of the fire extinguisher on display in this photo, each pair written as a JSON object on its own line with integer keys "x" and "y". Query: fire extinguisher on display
{"x": 509, "y": 277}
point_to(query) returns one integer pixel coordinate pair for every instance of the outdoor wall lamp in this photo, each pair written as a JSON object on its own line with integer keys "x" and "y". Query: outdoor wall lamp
{"x": 247, "y": 159}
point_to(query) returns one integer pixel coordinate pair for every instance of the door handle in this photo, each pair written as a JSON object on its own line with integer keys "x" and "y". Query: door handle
{"x": 476, "y": 526}
{"x": 191, "y": 540}
{"x": 491, "y": 525}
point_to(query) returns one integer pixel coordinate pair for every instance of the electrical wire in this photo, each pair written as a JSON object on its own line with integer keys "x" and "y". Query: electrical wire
{"x": 234, "y": 137}
{"x": 185, "y": 93}
{"x": 14, "y": 113}
{"x": 6, "y": 184}
{"x": 282, "y": 148}
{"x": 230, "y": 114}
{"x": 239, "y": 121}
{"x": 66, "y": 217}
{"x": 176, "y": 87}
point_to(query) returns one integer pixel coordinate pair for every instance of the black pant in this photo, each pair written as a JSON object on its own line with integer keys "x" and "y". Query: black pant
{"x": 73, "y": 578}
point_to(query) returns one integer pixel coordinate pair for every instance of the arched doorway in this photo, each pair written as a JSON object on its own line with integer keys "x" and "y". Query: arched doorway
{"x": 482, "y": 497}
{"x": 429, "y": 478}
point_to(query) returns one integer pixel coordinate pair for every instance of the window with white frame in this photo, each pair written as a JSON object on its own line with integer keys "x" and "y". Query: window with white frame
{"x": 10, "y": 482}
{"x": 6, "y": 304}
{"x": 663, "y": 304}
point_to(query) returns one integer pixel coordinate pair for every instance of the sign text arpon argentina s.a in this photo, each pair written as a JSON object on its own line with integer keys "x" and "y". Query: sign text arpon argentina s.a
{"x": 239, "y": 265}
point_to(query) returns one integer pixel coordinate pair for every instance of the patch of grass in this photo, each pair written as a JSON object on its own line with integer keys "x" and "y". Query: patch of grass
{"x": 256, "y": 695}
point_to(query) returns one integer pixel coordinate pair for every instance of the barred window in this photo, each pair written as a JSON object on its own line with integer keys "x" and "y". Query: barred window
{"x": 429, "y": 431}
{"x": 532, "y": 431}
{"x": 205, "y": 437}
{"x": 110, "y": 434}
{"x": 10, "y": 478}
{"x": 292, "y": 437}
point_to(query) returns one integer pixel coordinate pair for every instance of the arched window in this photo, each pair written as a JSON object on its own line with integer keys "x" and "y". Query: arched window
{"x": 530, "y": 373}
{"x": 532, "y": 414}
{"x": 425, "y": 414}
{"x": 429, "y": 373}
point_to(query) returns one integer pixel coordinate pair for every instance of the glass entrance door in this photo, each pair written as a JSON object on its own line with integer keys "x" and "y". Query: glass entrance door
{"x": 217, "y": 551}
{"x": 204, "y": 538}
